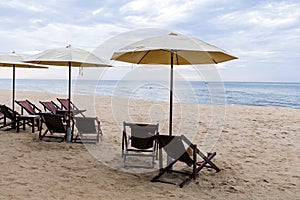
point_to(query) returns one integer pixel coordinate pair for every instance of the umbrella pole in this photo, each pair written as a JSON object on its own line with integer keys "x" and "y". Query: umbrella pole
{"x": 169, "y": 159}
{"x": 69, "y": 103}
{"x": 171, "y": 96}
{"x": 14, "y": 85}
{"x": 69, "y": 131}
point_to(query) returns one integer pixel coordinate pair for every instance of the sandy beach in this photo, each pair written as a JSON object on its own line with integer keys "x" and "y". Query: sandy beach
{"x": 257, "y": 151}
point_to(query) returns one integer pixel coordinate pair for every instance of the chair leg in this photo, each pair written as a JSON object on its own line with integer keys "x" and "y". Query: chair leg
{"x": 41, "y": 136}
{"x": 124, "y": 160}
{"x": 162, "y": 171}
{"x": 33, "y": 124}
{"x": 17, "y": 123}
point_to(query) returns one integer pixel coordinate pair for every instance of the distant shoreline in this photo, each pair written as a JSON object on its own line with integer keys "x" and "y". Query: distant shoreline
{"x": 227, "y": 81}
{"x": 7, "y": 93}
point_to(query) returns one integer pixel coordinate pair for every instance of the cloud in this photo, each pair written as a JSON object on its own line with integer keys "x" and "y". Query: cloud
{"x": 159, "y": 13}
{"x": 268, "y": 16}
{"x": 23, "y": 5}
{"x": 260, "y": 33}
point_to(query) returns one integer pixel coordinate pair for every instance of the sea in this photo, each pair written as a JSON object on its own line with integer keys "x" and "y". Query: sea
{"x": 282, "y": 94}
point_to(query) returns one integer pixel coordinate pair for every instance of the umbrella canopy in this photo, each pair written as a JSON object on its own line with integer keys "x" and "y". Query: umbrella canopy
{"x": 64, "y": 56}
{"x": 15, "y": 60}
{"x": 172, "y": 49}
{"x": 187, "y": 51}
{"x": 69, "y": 57}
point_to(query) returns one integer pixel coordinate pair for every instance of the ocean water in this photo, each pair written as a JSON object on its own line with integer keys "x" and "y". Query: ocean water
{"x": 195, "y": 92}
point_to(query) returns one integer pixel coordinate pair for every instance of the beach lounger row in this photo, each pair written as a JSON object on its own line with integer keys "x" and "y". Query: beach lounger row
{"x": 54, "y": 120}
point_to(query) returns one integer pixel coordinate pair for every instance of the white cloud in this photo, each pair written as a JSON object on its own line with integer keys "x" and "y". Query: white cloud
{"x": 96, "y": 12}
{"x": 58, "y": 34}
{"x": 160, "y": 13}
{"x": 23, "y": 5}
{"x": 273, "y": 15}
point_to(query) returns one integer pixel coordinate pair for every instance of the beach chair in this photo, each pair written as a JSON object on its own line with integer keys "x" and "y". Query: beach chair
{"x": 50, "y": 106}
{"x": 8, "y": 114}
{"x": 13, "y": 117}
{"x": 89, "y": 130}
{"x": 32, "y": 115}
{"x": 179, "y": 148}
{"x": 74, "y": 109}
{"x": 55, "y": 127}
{"x": 137, "y": 140}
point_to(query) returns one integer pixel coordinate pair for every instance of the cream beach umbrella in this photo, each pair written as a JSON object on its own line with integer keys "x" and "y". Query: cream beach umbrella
{"x": 68, "y": 57}
{"x": 172, "y": 49}
{"x": 16, "y": 61}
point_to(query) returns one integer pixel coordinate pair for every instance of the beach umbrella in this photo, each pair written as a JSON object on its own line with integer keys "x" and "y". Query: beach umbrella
{"x": 16, "y": 61}
{"x": 68, "y": 57}
{"x": 172, "y": 49}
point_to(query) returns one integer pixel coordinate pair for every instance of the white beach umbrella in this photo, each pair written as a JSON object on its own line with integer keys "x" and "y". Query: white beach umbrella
{"x": 172, "y": 49}
{"x": 68, "y": 57}
{"x": 16, "y": 61}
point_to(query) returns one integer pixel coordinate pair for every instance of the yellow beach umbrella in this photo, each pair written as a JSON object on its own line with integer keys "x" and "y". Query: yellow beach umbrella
{"x": 172, "y": 49}
{"x": 68, "y": 57}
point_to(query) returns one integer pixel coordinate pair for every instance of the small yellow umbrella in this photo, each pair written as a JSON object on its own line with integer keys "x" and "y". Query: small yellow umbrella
{"x": 68, "y": 57}
{"x": 16, "y": 61}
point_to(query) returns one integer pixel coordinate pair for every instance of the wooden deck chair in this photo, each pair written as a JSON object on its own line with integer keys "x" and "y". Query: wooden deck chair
{"x": 55, "y": 127}
{"x": 33, "y": 113}
{"x": 65, "y": 105}
{"x": 9, "y": 114}
{"x": 89, "y": 130}
{"x": 50, "y": 106}
{"x": 138, "y": 140}
{"x": 179, "y": 148}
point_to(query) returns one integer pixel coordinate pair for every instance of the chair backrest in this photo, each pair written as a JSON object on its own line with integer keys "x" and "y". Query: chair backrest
{"x": 87, "y": 124}
{"x": 28, "y": 106}
{"x": 65, "y": 104}
{"x": 8, "y": 112}
{"x": 54, "y": 123}
{"x": 50, "y": 106}
{"x": 142, "y": 134}
{"x": 174, "y": 147}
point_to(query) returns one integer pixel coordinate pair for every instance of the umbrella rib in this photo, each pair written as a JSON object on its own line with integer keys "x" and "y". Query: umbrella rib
{"x": 211, "y": 58}
{"x": 143, "y": 57}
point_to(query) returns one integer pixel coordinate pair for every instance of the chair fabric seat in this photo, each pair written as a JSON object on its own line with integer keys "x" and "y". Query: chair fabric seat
{"x": 138, "y": 140}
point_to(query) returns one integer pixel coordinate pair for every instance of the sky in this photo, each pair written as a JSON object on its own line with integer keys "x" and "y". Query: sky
{"x": 263, "y": 34}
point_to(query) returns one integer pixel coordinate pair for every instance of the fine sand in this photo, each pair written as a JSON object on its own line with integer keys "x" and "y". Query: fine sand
{"x": 258, "y": 150}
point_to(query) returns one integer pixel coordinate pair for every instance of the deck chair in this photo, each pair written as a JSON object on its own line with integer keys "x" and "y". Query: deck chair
{"x": 9, "y": 114}
{"x": 33, "y": 113}
{"x": 137, "y": 140}
{"x": 179, "y": 148}
{"x": 50, "y": 106}
{"x": 65, "y": 105}
{"x": 89, "y": 130}
{"x": 55, "y": 127}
